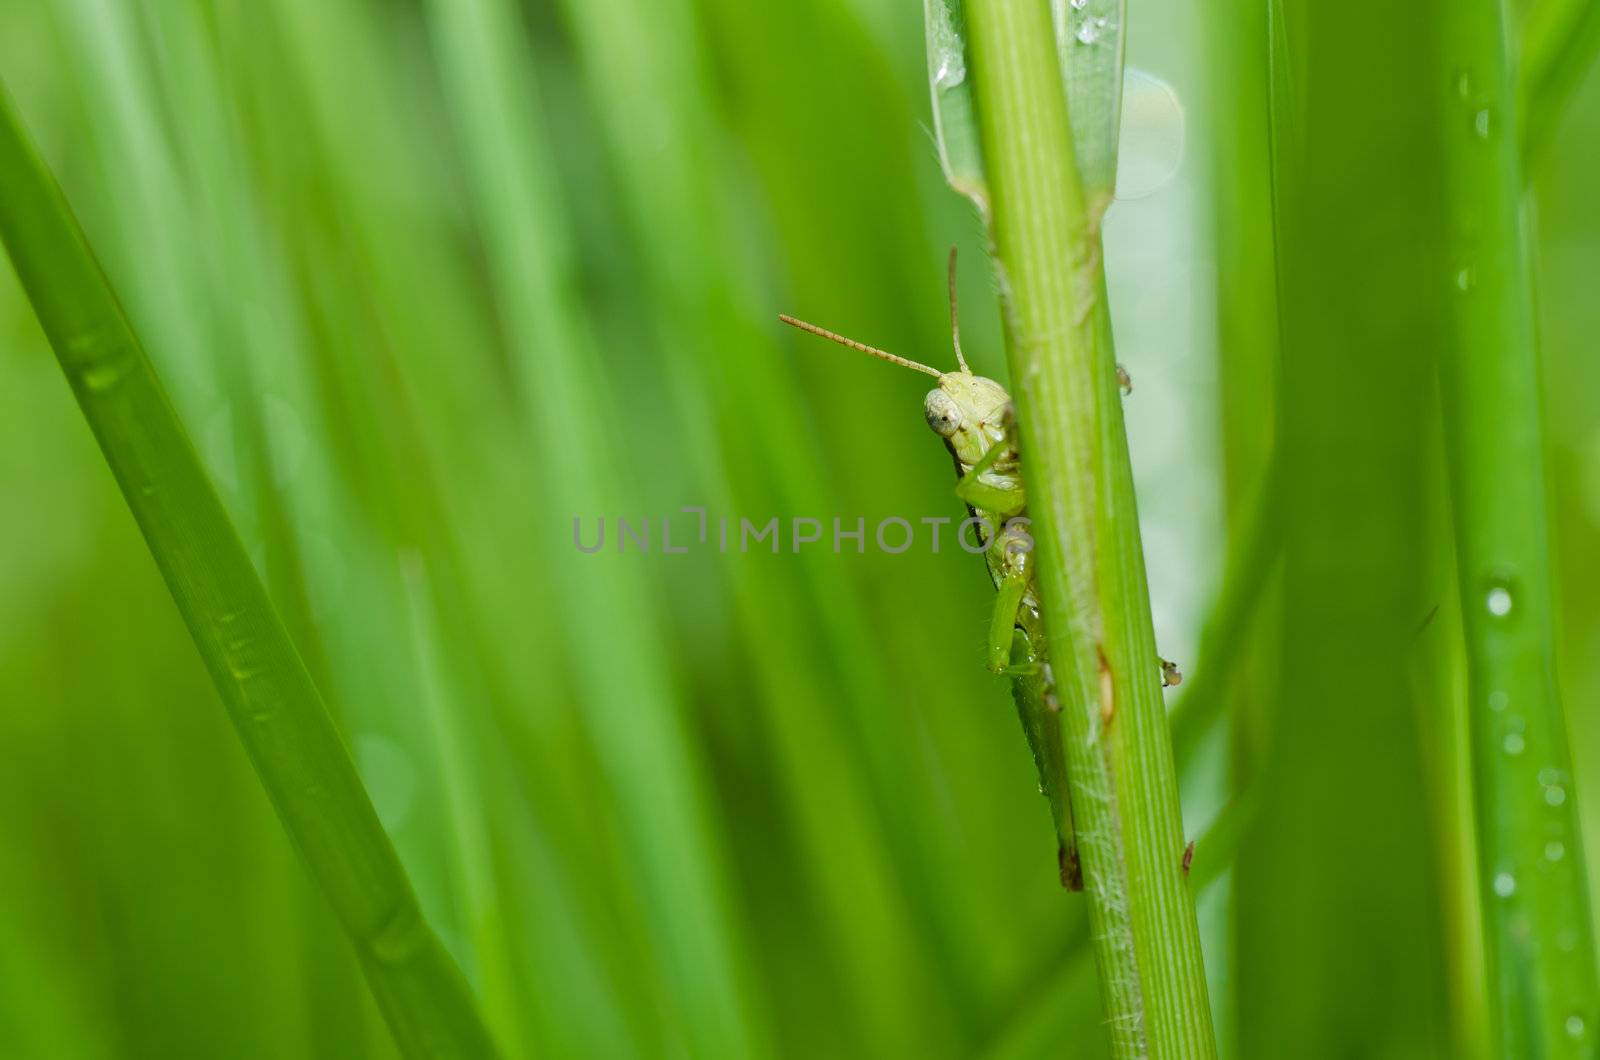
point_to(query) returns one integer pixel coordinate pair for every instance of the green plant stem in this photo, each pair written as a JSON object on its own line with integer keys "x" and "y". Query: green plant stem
{"x": 1052, "y": 1011}
{"x": 269, "y": 695}
{"x": 1119, "y": 756}
{"x": 1538, "y": 934}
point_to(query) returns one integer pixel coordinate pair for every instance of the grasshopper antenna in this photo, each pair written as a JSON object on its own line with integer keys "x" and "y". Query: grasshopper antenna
{"x": 955, "y": 322}
{"x": 833, "y": 336}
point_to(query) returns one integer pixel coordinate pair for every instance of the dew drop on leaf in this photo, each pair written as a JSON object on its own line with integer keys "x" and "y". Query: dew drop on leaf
{"x": 1152, "y": 135}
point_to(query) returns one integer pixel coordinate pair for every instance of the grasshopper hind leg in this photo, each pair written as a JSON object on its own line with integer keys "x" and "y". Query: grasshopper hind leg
{"x": 1041, "y": 723}
{"x": 1002, "y": 658}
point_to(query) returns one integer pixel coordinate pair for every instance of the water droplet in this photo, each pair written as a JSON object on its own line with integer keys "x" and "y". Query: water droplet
{"x": 1498, "y": 700}
{"x": 103, "y": 375}
{"x": 1514, "y": 743}
{"x": 1480, "y": 124}
{"x": 1505, "y": 885}
{"x": 1152, "y": 137}
{"x": 1079, "y": 5}
{"x": 1464, "y": 85}
{"x": 1555, "y": 795}
{"x": 1575, "y": 1026}
{"x": 1555, "y": 850}
{"x": 1089, "y": 32}
{"x": 1466, "y": 278}
{"x": 1498, "y": 601}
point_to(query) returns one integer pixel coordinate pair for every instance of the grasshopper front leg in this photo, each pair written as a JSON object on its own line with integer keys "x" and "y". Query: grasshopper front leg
{"x": 1001, "y": 494}
{"x": 999, "y": 497}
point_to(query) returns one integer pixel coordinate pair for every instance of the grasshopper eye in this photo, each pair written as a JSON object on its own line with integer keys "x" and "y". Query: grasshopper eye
{"x": 943, "y": 414}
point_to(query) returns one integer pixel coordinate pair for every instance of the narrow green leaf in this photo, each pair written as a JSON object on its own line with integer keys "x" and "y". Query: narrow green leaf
{"x": 1089, "y": 50}
{"x": 269, "y": 695}
{"x": 1538, "y": 933}
{"x": 1089, "y": 47}
{"x": 955, "y": 128}
{"x": 1559, "y": 45}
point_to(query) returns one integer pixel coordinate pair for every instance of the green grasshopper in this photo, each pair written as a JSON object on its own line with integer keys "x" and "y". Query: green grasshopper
{"x": 977, "y": 421}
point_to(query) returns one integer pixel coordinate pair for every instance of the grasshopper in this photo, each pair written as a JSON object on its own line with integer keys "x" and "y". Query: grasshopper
{"x": 977, "y": 421}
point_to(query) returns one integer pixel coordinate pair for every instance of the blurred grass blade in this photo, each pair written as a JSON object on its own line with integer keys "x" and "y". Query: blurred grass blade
{"x": 1560, "y": 41}
{"x": 1361, "y": 292}
{"x": 1537, "y": 930}
{"x": 1251, "y": 561}
{"x": 645, "y": 741}
{"x": 1089, "y": 50}
{"x": 263, "y": 683}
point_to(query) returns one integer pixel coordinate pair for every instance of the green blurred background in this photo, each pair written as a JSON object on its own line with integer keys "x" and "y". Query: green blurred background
{"x": 427, "y": 281}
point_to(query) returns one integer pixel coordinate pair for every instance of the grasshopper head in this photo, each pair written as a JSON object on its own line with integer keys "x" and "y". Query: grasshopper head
{"x": 968, "y": 412}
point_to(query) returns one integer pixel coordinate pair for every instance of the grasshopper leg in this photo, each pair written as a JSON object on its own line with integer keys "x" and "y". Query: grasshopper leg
{"x": 1002, "y": 621}
{"x": 1041, "y": 714}
{"x": 1001, "y": 498}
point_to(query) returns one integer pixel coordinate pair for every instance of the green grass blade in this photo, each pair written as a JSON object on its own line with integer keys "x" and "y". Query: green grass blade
{"x": 265, "y": 687}
{"x": 641, "y": 727}
{"x": 1559, "y": 44}
{"x": 1225, "y": 641}
{"x": 1052, "y": 1011}
{"x": 955, "y": 127}
{"x": 1089, "y": 49}
{"x": 1538, "y": 932}
{"x": 1124, "y": 788}
{"x": 1361, "y": 291}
